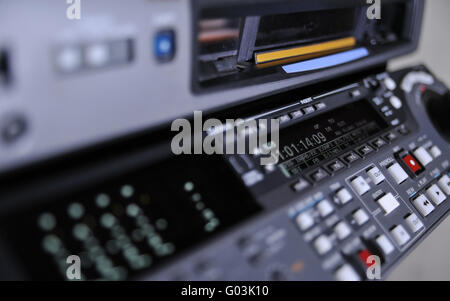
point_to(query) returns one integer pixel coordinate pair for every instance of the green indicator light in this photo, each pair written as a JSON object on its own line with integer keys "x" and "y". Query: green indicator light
{"x": 208, "y": 214}
{"x": 133, "y": 210}
{"x": 127, "y": 191}
{"x": 47, "y": 221}
{"x": 196, "y": 197}
{"x": 102, "y": 200}
{"x": 188, "y": 186}
{"x": 75, "y": 210}
{"x": 107, "y": 220}
{"x": 81, "y": 231}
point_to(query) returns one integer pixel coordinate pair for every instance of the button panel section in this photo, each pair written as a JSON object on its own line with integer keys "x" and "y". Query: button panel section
{"x": 381, "y": 208}
{"x": 339, "y": 229}
{"x": 383, "y": 201}
{"x": 94, "y": 55}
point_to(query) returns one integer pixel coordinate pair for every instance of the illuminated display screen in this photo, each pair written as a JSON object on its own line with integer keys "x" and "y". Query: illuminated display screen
{"x": 129, "y": 225}
{"x": 311, "y": 143}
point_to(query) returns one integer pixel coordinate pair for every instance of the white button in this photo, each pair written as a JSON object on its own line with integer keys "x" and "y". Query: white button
{"x": 435, "y": 194}
{"x": 395, "y": 102}
{"x": 398, "y": 173}
{"x": 423, "y": 156}
{"x": 444, "y": 183}
{"x": 390, "y": 83}
{"x": 360, "y": 185}
{"x": 435, "y": 151}
{"x": 69, "y": 59}
{"x": 400, "y": 235}
{"x": 97, "y": 55}
{"x": 252, "y": 177}
{"x": 413, "y": 222}
{"x": 346, "y": 273}
{"x": 360, "y": 217}
{"x": 344, "y": 196}
{"x": 423, "y": 205}
{"x": 304, "y": 221}
{"x": 388, "y": 203}
{"x": 325, "y": 208}
{"x": 376, "y": 175}
{"x": 384, "y": 244}
{"x": 322, "y": 244}
{"x": 342, "y": 230}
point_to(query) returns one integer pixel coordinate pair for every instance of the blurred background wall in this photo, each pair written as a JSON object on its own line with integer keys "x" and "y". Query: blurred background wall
{"x": 429, "y": 260}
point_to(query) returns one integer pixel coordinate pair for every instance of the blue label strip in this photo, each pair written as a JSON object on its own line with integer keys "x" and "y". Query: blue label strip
{"x": 327, "y": 61}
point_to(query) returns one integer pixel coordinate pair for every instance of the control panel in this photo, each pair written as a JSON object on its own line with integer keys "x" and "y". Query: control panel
{"x": 363, "y": 171}
{"x": 358, "y": 175}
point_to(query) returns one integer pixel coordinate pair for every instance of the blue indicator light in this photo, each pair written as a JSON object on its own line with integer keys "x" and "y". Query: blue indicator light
{"x": 164, "y": 45}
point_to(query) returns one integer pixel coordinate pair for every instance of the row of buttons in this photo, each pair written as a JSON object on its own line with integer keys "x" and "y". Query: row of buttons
{"x": 414, "y": 166}
{"x": 394, "y": 102}
{"x": 301, "y": 112}
{"x": 436, "y": 192}
{"x": 349, "y": 158}
{"x": 360, "y": 184}
{"x": 338, "y": 164}
{"x": 305, "y": 220}
{"x": 346, "y": 272}
{"x": 74, "y": 58}
{"x": 323, "y": 243}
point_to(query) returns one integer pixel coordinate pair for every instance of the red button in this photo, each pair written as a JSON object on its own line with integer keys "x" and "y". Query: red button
{"x": 412, "y": 163}
{"x": 363, "y": 255}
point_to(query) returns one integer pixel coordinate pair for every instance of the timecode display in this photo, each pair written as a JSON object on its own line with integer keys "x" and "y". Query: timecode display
{"x": 309, "y": 143}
